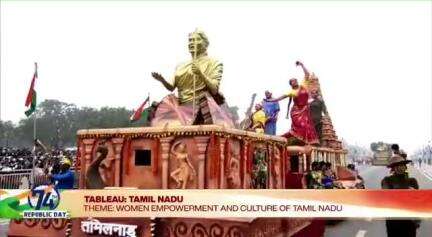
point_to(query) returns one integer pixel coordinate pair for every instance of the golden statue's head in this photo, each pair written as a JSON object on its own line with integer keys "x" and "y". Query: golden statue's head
{"x": 198, "y": 43}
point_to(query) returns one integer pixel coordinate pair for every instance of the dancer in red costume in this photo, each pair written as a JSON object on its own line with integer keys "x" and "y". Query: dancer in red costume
{"x": 301, "y": 123}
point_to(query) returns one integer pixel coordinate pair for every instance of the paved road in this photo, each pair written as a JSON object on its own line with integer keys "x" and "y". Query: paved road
{"x": 4, "y": 226}
{"x": 376, "y": 228}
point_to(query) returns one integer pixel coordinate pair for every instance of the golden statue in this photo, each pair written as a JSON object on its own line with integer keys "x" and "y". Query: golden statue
{"x": 205, "y": 71}
{"x": 185, "y": 171}
{"x": 197, "y": 82}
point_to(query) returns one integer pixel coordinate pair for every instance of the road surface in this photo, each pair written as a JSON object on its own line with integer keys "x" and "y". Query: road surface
{"x": 4, "y": 224}
{"x": 376, "y": 228}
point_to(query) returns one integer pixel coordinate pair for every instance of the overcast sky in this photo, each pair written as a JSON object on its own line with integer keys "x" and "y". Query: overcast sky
{"x": 373, "y": 59}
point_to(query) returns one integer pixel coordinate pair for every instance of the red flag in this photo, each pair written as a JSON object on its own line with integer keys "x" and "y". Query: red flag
{"x": 137, "y": 114}
{"x": 31, "y": 96}
{"x": 31, "y": 89}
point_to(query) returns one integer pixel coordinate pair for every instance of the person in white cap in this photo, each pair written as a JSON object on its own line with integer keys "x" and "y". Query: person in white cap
{"x": 399, "y": 179}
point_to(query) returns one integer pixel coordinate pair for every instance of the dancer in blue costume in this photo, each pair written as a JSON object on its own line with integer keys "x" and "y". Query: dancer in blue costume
{"x": 271, "y": 110}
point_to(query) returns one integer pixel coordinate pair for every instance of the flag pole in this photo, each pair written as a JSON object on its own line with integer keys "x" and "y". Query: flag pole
{"x": 34, "y": 142}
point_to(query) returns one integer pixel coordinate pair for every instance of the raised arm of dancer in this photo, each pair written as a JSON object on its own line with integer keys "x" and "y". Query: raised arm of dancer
{"x": 306, "y": 72}
{"x": 277, "y": 99}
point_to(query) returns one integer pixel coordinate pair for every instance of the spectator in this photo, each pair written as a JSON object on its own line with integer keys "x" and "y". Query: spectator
{"x": 327, "y": 176}
{"x": 359, "y": 180}
{"x": 38, "y": 171}
{"x": 65, "y": 179}
{"x": 313, "y": 178}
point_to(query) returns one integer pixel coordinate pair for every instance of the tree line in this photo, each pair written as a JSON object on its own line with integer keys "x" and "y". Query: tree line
{"x": 58, "y": 123}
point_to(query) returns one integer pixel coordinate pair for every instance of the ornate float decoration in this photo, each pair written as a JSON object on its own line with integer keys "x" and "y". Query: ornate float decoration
{"x": 193, "y": 144}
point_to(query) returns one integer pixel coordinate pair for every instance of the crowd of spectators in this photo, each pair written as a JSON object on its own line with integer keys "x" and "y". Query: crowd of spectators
{"x": 52, "y": 166}
{"x": 16, "y": 159}
{"x": 321, "y": 176}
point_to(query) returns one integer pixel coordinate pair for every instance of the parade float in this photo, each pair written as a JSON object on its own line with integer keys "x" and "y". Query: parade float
{"x": 193, "y": 143}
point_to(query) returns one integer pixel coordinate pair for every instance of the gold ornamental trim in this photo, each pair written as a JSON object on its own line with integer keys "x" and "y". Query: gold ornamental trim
{"x": 192, "y": 130}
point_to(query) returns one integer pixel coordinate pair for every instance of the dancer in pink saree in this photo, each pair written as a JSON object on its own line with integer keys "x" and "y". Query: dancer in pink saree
{"x": 302, "y": 127}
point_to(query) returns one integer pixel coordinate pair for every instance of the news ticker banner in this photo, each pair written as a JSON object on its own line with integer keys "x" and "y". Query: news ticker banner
{"x": 46, "y": 202}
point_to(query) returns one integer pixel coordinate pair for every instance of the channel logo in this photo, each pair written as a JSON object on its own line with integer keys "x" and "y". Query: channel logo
{"x": 44, "y": 199}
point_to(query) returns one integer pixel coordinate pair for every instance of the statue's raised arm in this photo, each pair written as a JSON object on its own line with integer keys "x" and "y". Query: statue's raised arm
{"x": 160, "y": 78}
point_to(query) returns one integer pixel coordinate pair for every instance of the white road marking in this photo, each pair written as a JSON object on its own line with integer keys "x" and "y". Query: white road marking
{"x": 361, "y": 233}
{"x": 427, "y": 175}
{"x": 4, "y": 221}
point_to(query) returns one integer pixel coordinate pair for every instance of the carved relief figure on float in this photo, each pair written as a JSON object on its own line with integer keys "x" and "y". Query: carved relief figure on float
{"x": 197, "y": 82}
{"x": 98, "y": 174}
{"x": 276, "y": 166}
{"x": 233, "y": 167}
{"x": 260, "y": 168}
{"x": 184, "y": 172}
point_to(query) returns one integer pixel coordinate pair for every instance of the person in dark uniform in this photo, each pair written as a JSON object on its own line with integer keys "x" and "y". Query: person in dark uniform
{"x": 399, "y": 179}
{"x": 317, "y": 109}
{"x": 395, "y": 149}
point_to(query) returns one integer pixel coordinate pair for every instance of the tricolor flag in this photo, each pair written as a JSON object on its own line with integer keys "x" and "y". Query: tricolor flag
{"x": 139, "y": 112}
{"x": 31, "y": 95}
